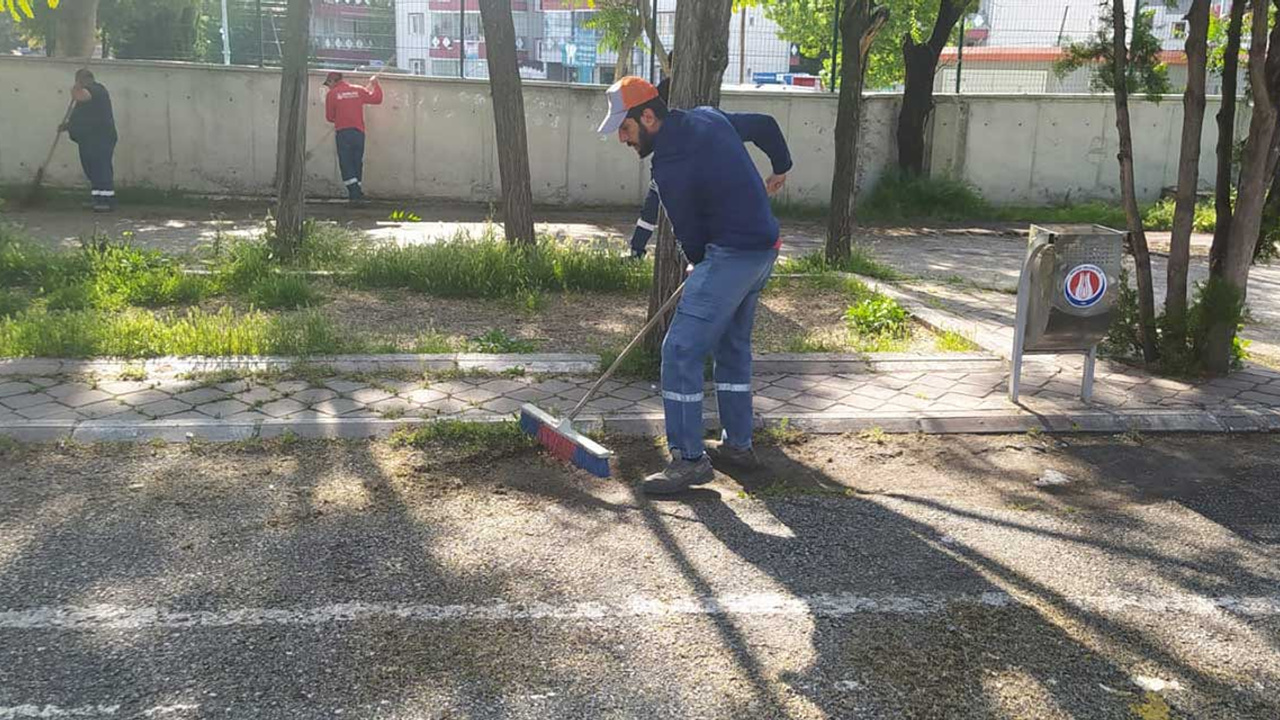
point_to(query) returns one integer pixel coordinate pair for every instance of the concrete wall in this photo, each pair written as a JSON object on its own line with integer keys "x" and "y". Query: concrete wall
{"x": 212, "y": 129}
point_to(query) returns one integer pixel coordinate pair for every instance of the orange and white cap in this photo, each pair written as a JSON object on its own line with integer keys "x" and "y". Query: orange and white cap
{"x": 625, "y": 95}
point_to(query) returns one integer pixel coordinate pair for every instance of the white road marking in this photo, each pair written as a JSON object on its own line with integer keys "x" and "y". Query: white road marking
{"x": 54, "y": 711}
{"x": 118, "y": 617}
{"x": 16, "y": 712}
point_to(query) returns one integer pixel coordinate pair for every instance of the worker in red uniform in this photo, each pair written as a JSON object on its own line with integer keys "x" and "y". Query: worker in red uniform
{"x": 344, "y": 107}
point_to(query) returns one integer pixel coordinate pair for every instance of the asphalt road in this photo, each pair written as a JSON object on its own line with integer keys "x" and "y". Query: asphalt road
{"x": 854, "y": 578}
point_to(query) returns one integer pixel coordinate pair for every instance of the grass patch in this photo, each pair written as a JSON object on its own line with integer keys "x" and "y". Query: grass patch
{"x": 136, "y": 333}
{"x": 860, "y": 262}
{"x": 464, "y": 438}
{"x": 950, "y": 341}
{"x": 641, "y": 363}
{"x": 102, "y": 274}
{"x": 898, "y": 196}
{"x": 283, "y": 292}
{"x": 1090, "y": 213}
{"x": 492, "y": 268}
{"x": 499, "y": 342}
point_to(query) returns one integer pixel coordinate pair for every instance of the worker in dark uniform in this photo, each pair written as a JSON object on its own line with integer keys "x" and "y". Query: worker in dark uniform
{"x": 719, "y": 209}
{"x": 344, "y": 107}
{"x": 92, "y": 127}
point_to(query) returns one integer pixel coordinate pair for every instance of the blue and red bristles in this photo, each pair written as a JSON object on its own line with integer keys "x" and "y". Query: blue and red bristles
{"x": 564, "y": 442}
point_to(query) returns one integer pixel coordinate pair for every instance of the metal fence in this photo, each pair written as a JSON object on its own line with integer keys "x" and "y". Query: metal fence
{"x": 1013, "y": 46}
{"x": 1009, "y": 46}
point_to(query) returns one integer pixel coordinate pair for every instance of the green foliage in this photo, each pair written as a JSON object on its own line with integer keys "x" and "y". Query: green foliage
{"x": 899, "y": 196}
{"x": 1180, "y": 356}
{"x": 463, "y": 438}
{"x": 641, "y": 363}
{"x": 1143, "y": 73}
{"x": 498, "y": 341}
{"x": 1123, "y": 339}
{"x": 877, "y": 315}
{"x": 1214, "y": 301}
{"x": 491, "y": 268}
{"x": 860, "y": 262}
{"x": 950, "y": 341}
{"x": 283, "y": 292}
{"x": 11, "y": 302}
{"x": 102, "y": 274}
{"x": 137, "y": 333}
{"x": 1160, "y": 216}
{"x": 152, "y": 29}
{"x": 810, "y": 24}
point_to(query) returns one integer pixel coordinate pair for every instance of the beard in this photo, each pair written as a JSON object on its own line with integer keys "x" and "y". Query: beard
{"x": 644, "y": 146}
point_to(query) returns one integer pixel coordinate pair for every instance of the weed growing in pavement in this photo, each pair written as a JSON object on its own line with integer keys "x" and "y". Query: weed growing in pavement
{"x": 874, "y": 435}
{"x": 950, "y": 341}
{"x": 782, "y": 432}
{"x": 136, "y": 373}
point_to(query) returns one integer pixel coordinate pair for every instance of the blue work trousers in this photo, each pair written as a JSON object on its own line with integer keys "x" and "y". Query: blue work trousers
{"x": 351, "y": 161}
{"x": 715, "y": 317}
{"x": 96, "y": 161}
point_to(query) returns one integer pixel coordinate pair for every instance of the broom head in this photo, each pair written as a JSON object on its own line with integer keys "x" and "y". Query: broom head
{"x": 564, "y": 442}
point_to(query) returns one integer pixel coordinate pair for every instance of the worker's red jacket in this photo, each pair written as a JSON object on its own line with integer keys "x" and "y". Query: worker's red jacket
{"x": 344, "y": 105}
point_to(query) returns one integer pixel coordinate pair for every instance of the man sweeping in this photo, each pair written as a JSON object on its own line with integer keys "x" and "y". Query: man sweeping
{"x": 719, "y": 209}
{"x": 92, "y": 127}
{"x": 344, "y": 107}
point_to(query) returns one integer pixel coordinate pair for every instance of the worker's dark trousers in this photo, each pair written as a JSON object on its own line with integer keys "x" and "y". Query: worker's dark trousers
{"x": 351, "y": 160}
{"x": 96, "y": 159}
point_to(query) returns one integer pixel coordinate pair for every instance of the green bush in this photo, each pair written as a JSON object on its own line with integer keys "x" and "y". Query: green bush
{"x": 1160, "y": 216}
{"x": 11, "y": 303}
{"x": 898, "y": 196}
{"x": 877, "y": 315}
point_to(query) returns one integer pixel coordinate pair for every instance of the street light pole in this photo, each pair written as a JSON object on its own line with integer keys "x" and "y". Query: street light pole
{"x": 226, "y": 36}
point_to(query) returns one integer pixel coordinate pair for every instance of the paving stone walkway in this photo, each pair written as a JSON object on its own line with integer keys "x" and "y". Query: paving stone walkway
{"x": 969, "y": 397}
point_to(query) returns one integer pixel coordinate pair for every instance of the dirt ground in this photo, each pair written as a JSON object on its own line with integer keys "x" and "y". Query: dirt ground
{"x": 790, "y": 311}
{"x": 285, "y": 528}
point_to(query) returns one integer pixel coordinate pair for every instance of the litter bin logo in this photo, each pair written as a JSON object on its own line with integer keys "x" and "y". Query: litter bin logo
{"x": 1085, "y": 286}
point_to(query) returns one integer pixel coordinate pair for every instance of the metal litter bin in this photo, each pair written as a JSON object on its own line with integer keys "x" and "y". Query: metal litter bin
{"x": 1066, "y": 292}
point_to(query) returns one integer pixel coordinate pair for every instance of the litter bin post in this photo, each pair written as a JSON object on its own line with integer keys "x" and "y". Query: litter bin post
{"x": 1065, "y": 294}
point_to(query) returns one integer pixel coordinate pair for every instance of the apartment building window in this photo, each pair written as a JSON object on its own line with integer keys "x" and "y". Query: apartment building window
{"x": 418, "y": 66}
{"x": 417, "y": 24}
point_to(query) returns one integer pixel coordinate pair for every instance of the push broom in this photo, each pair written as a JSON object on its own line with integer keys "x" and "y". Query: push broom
{"x": 559, "y": 437}
{"x": 33, "y": 192}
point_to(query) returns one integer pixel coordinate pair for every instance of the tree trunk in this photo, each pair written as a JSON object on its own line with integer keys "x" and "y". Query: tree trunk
{"x": 655, "y": 41}
{"x": 860, "y": 20}
{"x": 1231, "y": 275}
{"x": 76, "y": 27}
{"x": 291, "y": 152}
{"x": 921, "y": 61}
{"x": 1270, "y": 220}
{"x": 1128, "y": 192}
{"x": 508, "y": 121}
{"x": 1226, "y": 134}
{"x": 702, "y": 54}
{"x": 1175, "y": 301}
